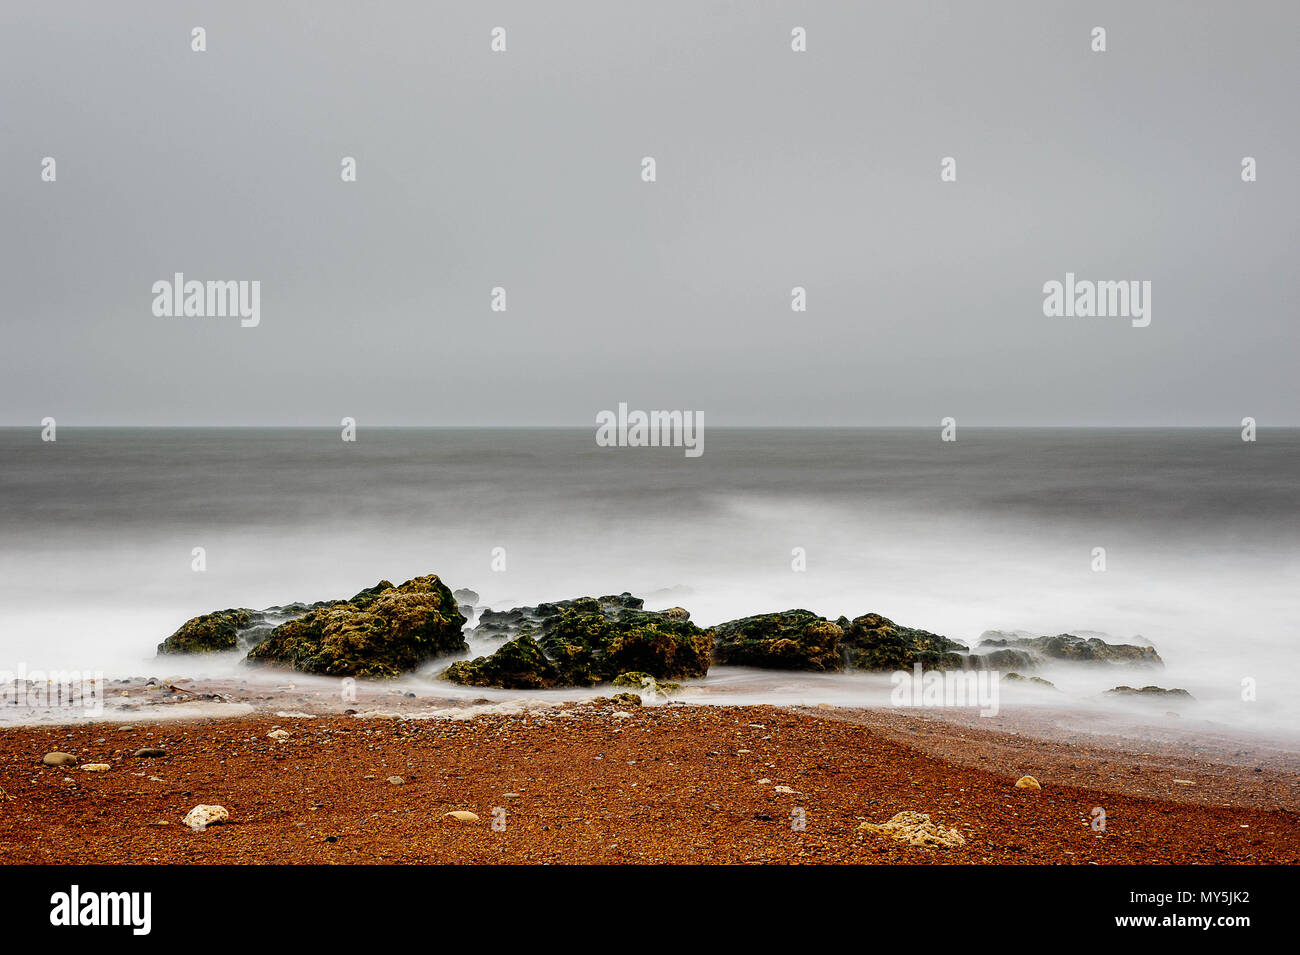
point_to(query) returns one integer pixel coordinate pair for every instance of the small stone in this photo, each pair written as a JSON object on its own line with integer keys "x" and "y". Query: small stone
{"x": 1185, "y": 782}
{"x": 151, "y": 752}
{"x": 59, "y": 759}
{"x": 280, "y": 735}
{"x": 1027, "y": 782}
{"x": 787, "y": 791}
{"x": 397, "y": 780}
{"x": 461, "y": 815}
{"x": 96, "y": 767}
{"x": 510, "y": 795}
{"x": 201, "y": 816}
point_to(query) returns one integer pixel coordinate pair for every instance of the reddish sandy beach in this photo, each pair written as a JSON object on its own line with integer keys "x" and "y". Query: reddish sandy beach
{"x": 598, "y": 783}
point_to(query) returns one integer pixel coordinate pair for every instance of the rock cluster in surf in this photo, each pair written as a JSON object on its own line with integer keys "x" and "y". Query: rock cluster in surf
{"x": 388, "y": 630}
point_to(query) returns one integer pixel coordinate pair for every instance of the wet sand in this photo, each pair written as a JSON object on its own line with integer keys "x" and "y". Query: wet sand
{"x": 595, "y": 782}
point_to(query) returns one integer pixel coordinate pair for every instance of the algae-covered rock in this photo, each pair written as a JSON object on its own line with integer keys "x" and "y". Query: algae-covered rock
{"x": 1001, "y": 659}
{"x": 634, "y": 680}
{"x": 789, "y": 640}
{"x": 367, "y": 596}
{"x": 382, "y": 632}
{"x": 507, "y": 624}
{"x": 212, "y": 632}
{"x": 873, "y": 642}
{"x": 239, "y": 629}
{"x": 516, "y": 665}
{"x": 1036, "y": 680}
{"x": 646, "y": 685}
{"x": 583, "y": 642}
{"x": 1075, "y": 649}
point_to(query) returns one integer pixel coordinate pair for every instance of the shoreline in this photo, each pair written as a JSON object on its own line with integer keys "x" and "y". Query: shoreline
{"x": 600, "y": 782}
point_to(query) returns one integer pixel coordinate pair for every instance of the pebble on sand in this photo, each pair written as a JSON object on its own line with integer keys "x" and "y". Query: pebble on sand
{"x": 1027, "y": 782}
{"x": 201, "y": 816}
{"x": 280, "y": 735}
{"x": 151, "y": 752}
{"x": 96, "y": 767}
{"x": 59, "y": 759}
{"x": 396, "y": 780}
{"x": 461, "y": 815}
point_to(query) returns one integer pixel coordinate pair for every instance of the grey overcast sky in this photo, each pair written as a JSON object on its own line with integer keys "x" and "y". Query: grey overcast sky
{"x": 775, "y": 169}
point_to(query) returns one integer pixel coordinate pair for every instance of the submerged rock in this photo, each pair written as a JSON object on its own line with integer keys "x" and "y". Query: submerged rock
{"x": 583, "y": 642}
{"x": 212, "y": 632}
{"x": 788, "y": 640}
{"x": 1075, "y": 649}
{"x": 519, "y": 664}
{"x": 801, "y": 640}
{"x": 235, "y": 629}
{"x": 1038, "y": 680}
{"x": 506, "y": 624}
{"x": 873, "y": 642}
{"x": 1002, "y": 659}
{"x": 1151, "y": 692}
{"x": 381, "y": 632}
